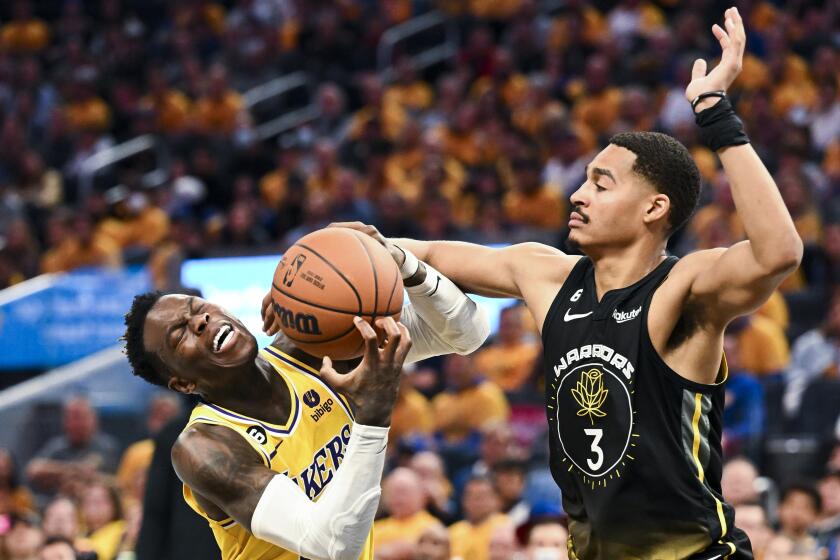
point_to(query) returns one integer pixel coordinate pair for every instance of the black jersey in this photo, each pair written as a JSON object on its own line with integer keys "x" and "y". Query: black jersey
{"x": 635, "y": 447}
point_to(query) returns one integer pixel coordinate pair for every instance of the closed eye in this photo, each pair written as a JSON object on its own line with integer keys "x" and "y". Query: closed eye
{"x": 599, "y": 187}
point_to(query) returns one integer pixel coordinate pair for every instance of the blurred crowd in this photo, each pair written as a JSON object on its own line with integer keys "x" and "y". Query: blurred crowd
{"x": 484, "y": 146}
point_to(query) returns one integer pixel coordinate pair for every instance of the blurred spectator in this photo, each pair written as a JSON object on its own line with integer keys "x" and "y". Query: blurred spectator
{"x": 15, "y": 499}
{"x": 412, "y": 413}
{"x": 18, "y": 252}
{"x": 509, "y": 359}
{"x": 403, "y": 497}
{"x": 433, "y": 544}
{"x": 408, "y": 91}
{"x": 172, "y": 109}
{"x": 815, "y": 354}
{"x": 799, "y": 509}
{"x": 135, "y": 461}
{"x": 57, "y": 548}
{"x": 544, "y": 534}
{"x": 738, "y": 482}
{"x": 762, "y": 345}
{"x": 503, "y": 544}
{"x": 509, "y": 480}
{"x": 743, "y": 413}
{"x": 471, "y": 537}
{"x": 61, "y": 519}
{"x": 25, "y": 33}
{"x": 136, "y": 222}
{"x": 828, "y": 527}
{"x": 435, "y": 484}
{"x": 79, "y": 247}
{"x": 85, "y": 111}
{"x": 102, "y": 515}
{"x": 73, "y": 457}
{"x": 530, "y": 203}
{"x": 23, "y": 540}
{"x": 752, "y": 519}
{"x": 469, "y": 403}
{"x": 218, "y": 110}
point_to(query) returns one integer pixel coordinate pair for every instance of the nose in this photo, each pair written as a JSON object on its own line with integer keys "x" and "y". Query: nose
{"x": 199, "y": 322}
{"x": 578, "y": 198}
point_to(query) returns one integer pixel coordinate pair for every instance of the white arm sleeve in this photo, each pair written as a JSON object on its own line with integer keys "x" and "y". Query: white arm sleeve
{"x": 337, "y": 525}
{"x": 441, "y": 319}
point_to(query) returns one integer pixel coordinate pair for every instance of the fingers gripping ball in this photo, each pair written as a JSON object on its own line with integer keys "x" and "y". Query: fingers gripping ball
{"x": 327, "y": 278}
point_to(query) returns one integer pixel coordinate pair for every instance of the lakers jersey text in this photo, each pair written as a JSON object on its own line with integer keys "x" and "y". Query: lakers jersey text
{"x": 308, "y": 449}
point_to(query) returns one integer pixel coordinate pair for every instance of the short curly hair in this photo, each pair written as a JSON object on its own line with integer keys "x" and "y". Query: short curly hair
{"x": 667, "y": 165}
{"x": 143, "y": 363}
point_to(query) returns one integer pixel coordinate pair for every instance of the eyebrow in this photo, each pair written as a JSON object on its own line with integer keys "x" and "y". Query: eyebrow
{"x": 601, "y": 171}
{"x": 174, "y": 326}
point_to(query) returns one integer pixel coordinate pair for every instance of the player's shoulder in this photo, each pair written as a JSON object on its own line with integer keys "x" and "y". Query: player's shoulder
{"x": 543, "y": 261}
{"x": 199, "y": 440}
{"x": 692, "y": 264}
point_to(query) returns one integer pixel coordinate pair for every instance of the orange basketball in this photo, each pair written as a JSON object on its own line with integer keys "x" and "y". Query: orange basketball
{"x": 327, "y": 278}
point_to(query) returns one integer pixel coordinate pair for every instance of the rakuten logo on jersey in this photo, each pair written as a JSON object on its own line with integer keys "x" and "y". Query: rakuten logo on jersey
{"x": 624, "y": 316}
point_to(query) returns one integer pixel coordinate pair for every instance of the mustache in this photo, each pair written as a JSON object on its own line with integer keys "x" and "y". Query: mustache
{"x": 583, "y": 215}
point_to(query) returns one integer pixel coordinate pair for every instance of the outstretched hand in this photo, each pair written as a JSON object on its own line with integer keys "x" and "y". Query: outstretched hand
{"x": 396, "y": 253}
{"x": 373, "y": 385}
{"x": 732, "y": 40}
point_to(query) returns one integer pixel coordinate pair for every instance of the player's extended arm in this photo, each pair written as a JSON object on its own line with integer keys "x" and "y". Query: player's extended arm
{"x": 475, "y": 268}
{"x": 218, "y": 464}
{"x": 440, "y": 318}
{"x": 739, "y": 279}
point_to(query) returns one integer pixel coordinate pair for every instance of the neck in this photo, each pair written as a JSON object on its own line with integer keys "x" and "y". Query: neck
{"x": 287, "y": 347}
{"x": 622, "y": 268}
{"x": 259, "y": 393}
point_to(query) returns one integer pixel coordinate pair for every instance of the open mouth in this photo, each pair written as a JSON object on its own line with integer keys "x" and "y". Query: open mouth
{"x": 223, "y": 338}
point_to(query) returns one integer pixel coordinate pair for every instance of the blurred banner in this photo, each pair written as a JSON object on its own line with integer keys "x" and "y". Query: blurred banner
{"x": 239, "y": 284}
{"x": 56, "y": 319}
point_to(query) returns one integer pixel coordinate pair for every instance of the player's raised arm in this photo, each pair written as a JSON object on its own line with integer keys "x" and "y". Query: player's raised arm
{"x": 739, "y": 279}
{"x": 222, "y": 468}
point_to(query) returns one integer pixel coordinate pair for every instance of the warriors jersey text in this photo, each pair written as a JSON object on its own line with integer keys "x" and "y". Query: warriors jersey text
{"x": 635, "y": 447}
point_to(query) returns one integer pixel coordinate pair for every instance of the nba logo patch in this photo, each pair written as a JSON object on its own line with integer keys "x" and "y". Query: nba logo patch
{"x": 311, "y": 398}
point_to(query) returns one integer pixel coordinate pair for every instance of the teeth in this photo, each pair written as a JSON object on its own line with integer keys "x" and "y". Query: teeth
{"x": 217, "y": 341}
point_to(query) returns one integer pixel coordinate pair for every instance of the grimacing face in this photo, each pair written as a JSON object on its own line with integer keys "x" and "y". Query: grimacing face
{"x": 198, "y": 342}
{"x": 614, "y": 206}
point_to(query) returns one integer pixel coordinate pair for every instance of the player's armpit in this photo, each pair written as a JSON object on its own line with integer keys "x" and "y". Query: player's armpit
{"x": 731, "y": 282}
{"x": 503, "y": 272}
{"x": 218, "y": 464}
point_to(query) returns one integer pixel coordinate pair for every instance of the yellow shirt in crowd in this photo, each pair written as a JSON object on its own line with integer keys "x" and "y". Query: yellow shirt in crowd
{"x": 472, "y": 542}
{"x": 390, "y": 530}
{"x": 456, "y": 414}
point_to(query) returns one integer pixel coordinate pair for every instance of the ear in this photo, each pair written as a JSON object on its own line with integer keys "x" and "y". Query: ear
{"x": 658, "y": 207}
{"x": 181, "y": 385}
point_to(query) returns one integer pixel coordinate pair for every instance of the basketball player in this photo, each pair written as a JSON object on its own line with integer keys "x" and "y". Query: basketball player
{"x": 271, "y": 432}
{"x": 634, "y": 339}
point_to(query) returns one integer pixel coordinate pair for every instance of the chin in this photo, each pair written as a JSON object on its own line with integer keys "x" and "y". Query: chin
{"x": 575, "y": 243}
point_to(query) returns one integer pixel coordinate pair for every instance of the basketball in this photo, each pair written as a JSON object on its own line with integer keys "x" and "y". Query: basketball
{"x": 324, "y": 280}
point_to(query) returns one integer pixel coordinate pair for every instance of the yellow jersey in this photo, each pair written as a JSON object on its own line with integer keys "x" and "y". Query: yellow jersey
{"x": 308, "y": 449}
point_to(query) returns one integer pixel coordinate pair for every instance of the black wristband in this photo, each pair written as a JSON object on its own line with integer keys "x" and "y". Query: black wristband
{"x": 719, "y": 93}
{"x": 720, "y": 127}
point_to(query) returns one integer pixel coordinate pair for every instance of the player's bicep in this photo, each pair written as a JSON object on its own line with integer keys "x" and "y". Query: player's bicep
{"x": 494, "y": 272}
{"x": 730, "y": 282}
{"x": 218, "y": 464}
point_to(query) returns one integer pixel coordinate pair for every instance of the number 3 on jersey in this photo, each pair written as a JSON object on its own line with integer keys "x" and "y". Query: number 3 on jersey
{"x": 596, "y": 434}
